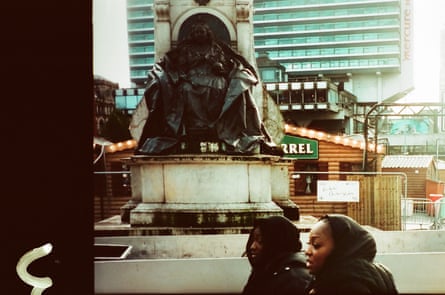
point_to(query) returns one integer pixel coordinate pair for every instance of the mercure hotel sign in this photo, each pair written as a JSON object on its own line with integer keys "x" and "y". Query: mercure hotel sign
{"x": 299, "y": 148}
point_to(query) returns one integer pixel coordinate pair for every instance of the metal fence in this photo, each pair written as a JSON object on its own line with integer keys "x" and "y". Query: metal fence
{"x": 416, "y": 213}
{"x": 420, "y": 213}
{"x": 112, "y": 190}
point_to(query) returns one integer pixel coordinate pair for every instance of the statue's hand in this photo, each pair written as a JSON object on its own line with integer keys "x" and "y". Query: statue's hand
{"x": 218, "y": 68}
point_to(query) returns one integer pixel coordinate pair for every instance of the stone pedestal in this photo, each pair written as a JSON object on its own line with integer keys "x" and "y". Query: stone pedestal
{"x": 205, "y": 190}
{"x": 201, "y": 190}
{"x": 280, "y": 190}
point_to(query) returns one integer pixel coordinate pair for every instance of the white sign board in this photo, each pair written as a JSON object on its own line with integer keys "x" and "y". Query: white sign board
{"x": 337, "y": 191}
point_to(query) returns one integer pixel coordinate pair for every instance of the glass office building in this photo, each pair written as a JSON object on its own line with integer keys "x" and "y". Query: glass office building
{"x": 311, "y": 50}
{"x": 141, "y": 47}
{"x": 329, "y": 36}
{"x": 366, "y": 43}
{"x": 328, "y": 46}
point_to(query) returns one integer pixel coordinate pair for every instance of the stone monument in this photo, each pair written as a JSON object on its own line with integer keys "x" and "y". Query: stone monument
{"x": 205, "y": 159}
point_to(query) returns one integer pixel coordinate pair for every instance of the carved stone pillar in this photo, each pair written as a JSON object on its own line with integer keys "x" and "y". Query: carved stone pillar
{"x": 162, "y": 28}
{"x": 245, "y": 43}
{"x": 243, "y": 27}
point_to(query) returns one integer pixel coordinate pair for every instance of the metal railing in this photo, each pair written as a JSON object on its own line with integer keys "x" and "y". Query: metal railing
{"x": 421, "y": 213}
{"x": 107, "y": 194}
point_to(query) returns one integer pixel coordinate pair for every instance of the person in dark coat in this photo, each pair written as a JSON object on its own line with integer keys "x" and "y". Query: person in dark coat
{"x": 340, "y": 255}
{"x": 274, "y": 252}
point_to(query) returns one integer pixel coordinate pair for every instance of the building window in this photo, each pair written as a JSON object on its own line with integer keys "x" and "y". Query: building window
{"x": 268, "y": 75}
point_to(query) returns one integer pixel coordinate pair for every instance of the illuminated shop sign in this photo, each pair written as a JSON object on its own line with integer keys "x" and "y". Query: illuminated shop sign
{"x": 299, "y": 148}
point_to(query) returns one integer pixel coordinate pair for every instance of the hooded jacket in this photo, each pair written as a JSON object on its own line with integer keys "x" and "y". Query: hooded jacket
{"x": 282, "y": 269}
{"x": 350, "y": 268}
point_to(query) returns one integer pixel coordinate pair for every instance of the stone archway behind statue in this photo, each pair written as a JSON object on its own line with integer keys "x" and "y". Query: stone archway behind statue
{"x": 220, "y": 25}
{"x": 218, "y": 28}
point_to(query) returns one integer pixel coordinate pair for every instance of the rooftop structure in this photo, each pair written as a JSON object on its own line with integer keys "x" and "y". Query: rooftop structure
{"x": 407, "y": 161}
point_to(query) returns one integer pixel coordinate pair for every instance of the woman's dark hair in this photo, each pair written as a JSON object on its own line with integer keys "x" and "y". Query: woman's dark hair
{"x": 278, "y": 234}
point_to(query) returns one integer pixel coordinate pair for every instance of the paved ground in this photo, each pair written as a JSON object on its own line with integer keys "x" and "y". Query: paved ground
{"x": 417, "y": 221}
{"x": 114, "y": 224}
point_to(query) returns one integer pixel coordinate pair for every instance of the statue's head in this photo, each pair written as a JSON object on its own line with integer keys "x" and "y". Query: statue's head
{"x": 201, "y": 33}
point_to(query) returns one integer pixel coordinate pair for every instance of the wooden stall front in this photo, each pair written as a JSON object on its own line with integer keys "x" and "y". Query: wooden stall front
{"x": 341, "y": 158}
{"x": 421, "y": 171}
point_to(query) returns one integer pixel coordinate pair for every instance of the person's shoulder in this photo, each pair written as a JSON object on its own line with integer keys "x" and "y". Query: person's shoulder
{"x": 295, "y": 266}
{"x": 297, "y": 259}
{"x": 365, "y": 277}
{"x": 340, "y": 287}
{"x": 382, "y": 268}
{"x": 387, "y": 278}
{"x": 346, "y": 273}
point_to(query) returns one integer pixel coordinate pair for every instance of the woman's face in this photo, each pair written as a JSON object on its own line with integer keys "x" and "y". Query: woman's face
{"x": 320, "y": 246}
{"x": 256, "y": 247}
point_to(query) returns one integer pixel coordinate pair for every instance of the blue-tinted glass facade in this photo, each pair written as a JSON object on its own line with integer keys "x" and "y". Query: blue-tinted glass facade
{"x": 307, "y": 37}
{"x": 329, "y": 36}
{"x": 128, "y": 99}
{"x": 141, "y": 48}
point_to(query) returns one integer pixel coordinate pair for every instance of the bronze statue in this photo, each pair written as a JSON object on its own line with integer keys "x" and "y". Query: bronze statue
{"x": 201, "y": 92}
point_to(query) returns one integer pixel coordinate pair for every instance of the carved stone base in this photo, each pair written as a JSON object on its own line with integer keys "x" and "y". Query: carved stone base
{"x": 126, "y": 209}
{"x": 201, "y": 215}
{"x": 204, "y": 191}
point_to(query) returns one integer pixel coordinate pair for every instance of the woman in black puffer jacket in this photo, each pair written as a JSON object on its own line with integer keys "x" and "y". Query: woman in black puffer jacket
{"x": 341, "y": 255}
{"x": 274, "y": 252}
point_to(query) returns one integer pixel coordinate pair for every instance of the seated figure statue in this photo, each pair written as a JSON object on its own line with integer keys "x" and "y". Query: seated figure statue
{"x": 201, "y": 92}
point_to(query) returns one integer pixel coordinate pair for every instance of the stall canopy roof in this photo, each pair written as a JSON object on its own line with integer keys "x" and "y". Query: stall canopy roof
{"x": 411, "y": 161}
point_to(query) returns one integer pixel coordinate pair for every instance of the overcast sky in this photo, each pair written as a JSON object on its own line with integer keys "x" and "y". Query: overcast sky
{"x": 110, "y": 43}
{"x": 110, "y": 46}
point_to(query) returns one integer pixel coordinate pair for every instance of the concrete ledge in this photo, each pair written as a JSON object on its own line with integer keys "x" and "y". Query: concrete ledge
{"x": 414, "y": 273}
{"x": 171, "y": 276}
{"x": 232, "y": 244}
{"x": 182, "y": 246}
{"x": 212, "y": 264}
{"x": 192, "y": 158}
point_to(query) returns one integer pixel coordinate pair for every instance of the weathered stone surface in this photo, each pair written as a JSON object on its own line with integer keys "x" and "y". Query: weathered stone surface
{"x": 208, "y": 215}
{"x": 202, "y": 190}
